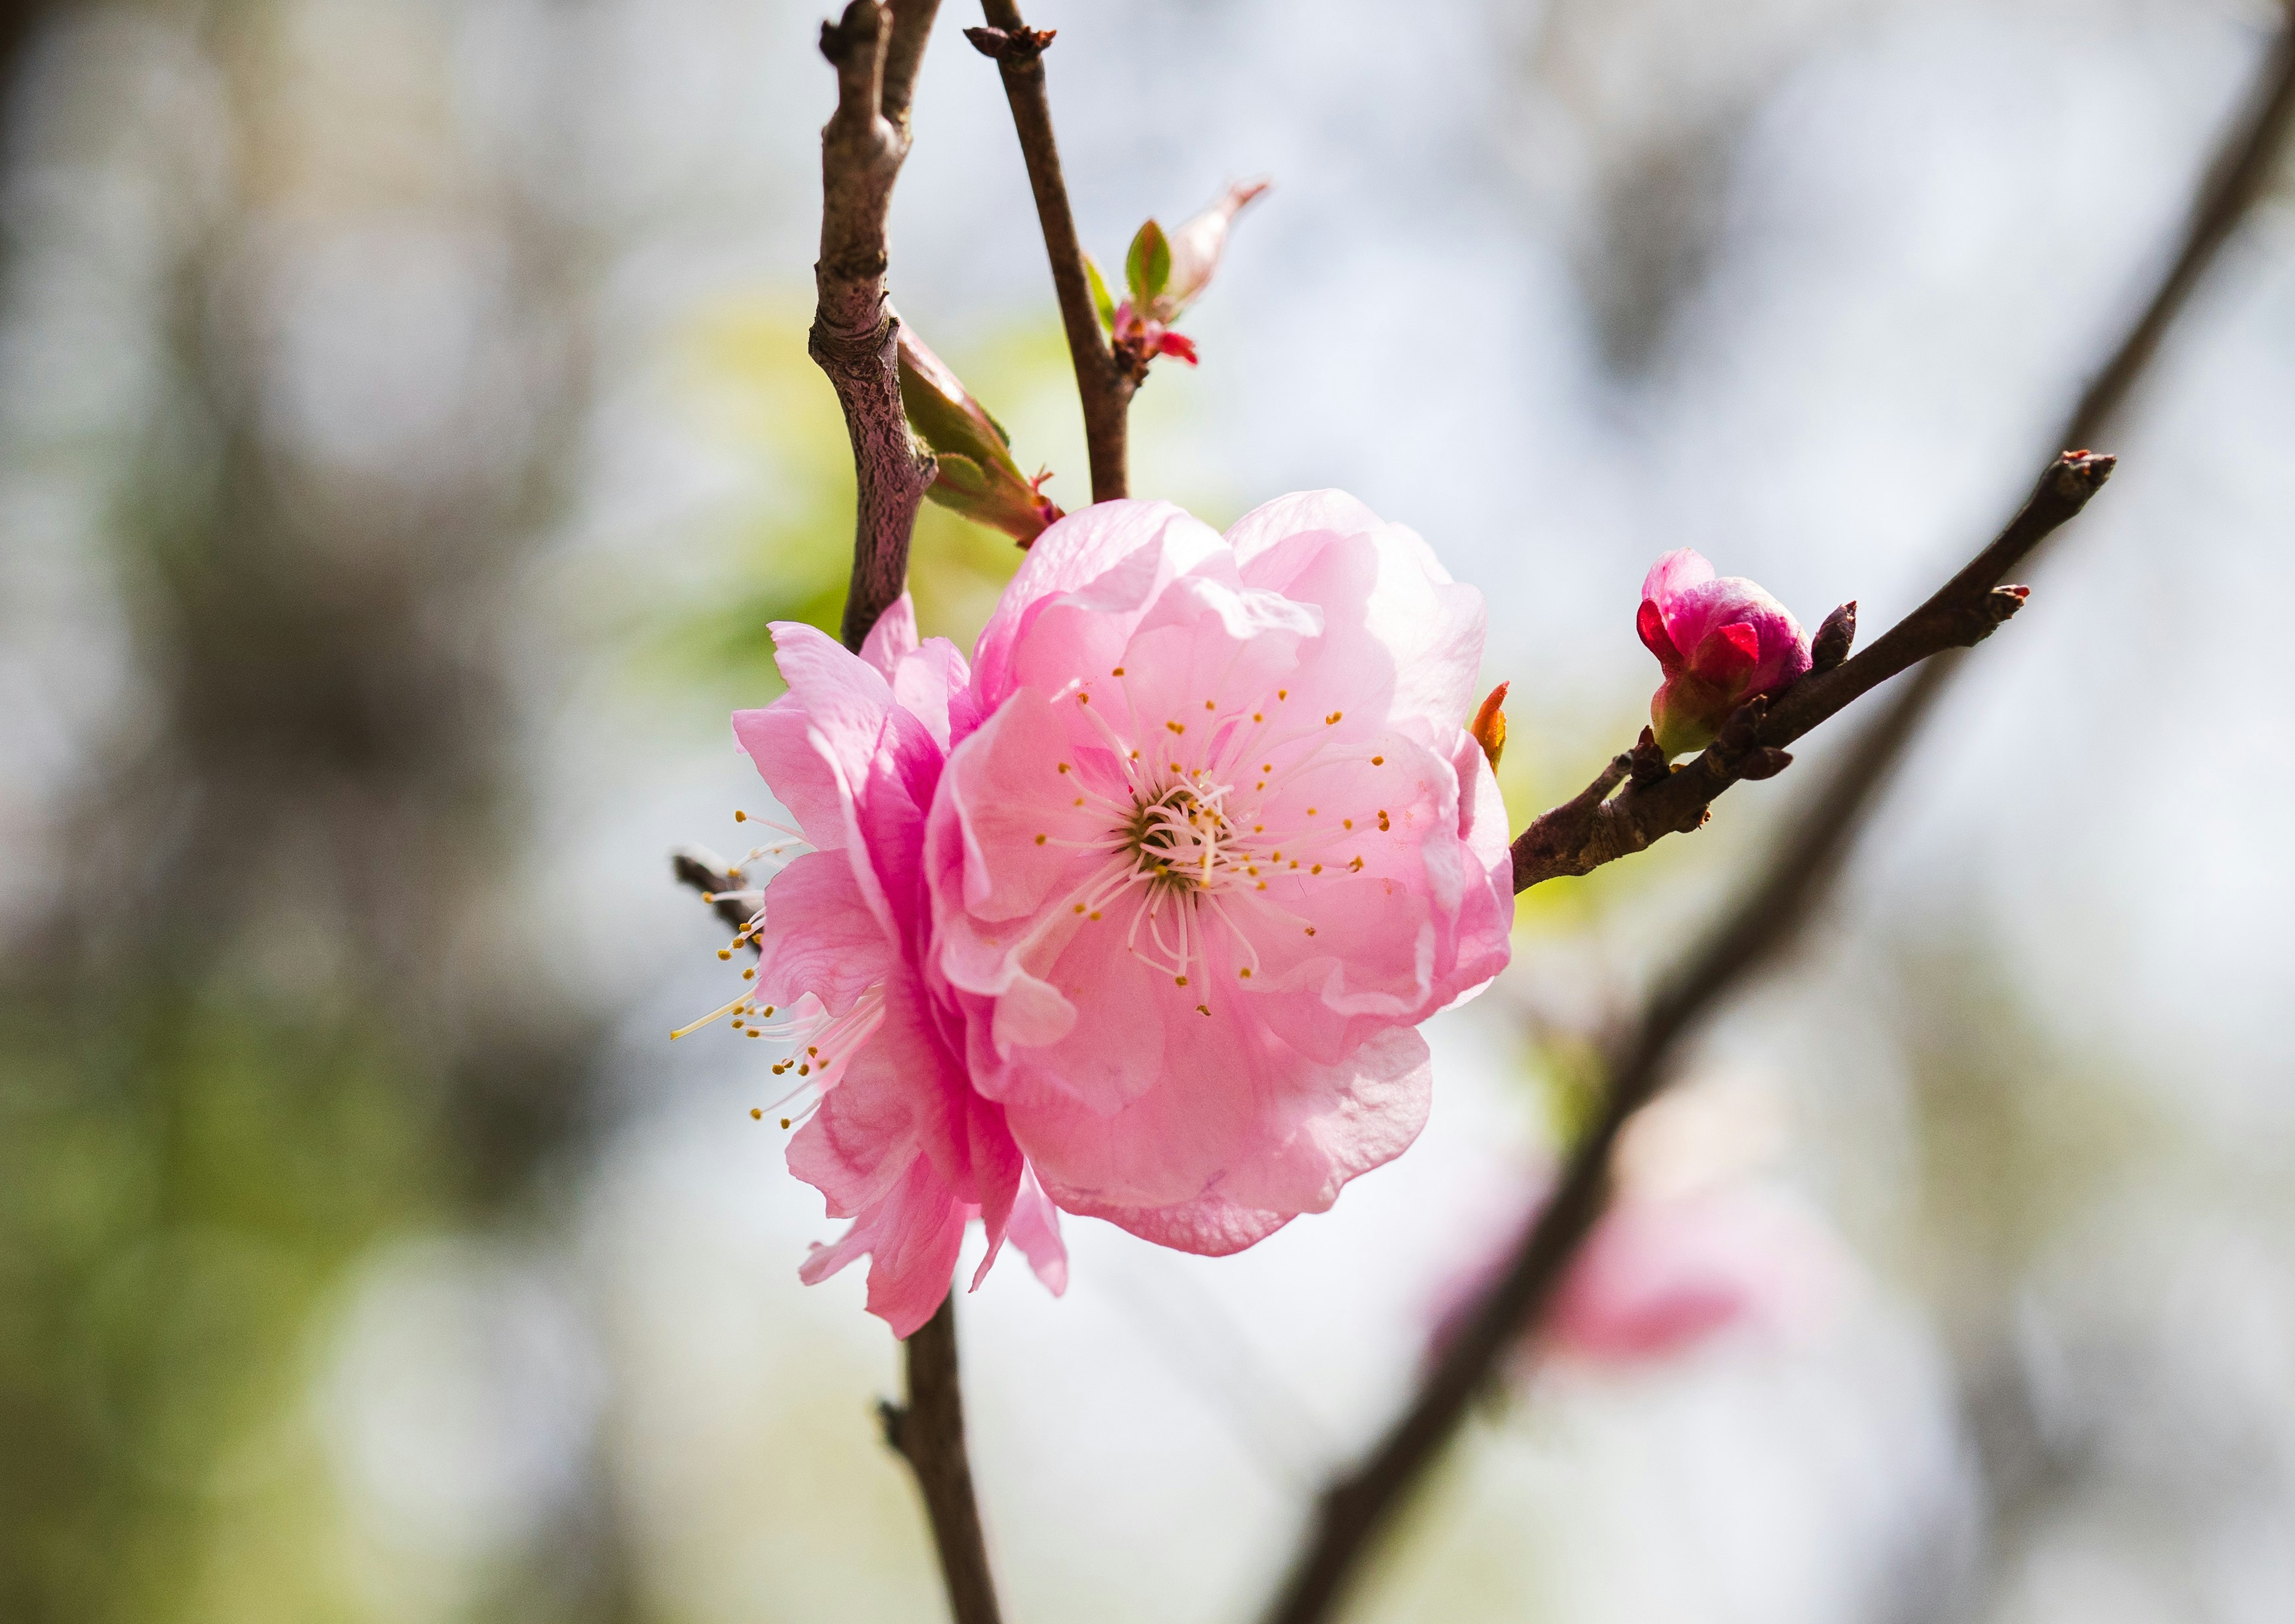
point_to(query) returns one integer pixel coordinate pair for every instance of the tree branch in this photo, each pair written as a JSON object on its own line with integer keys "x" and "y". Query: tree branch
{"x": 1104, "y": 388}
{"x": 1582, "y": 834}
{"x": 876, "y": 48}
{"x": 929, "y": 1435}
{"x": 1355, "y": 1509}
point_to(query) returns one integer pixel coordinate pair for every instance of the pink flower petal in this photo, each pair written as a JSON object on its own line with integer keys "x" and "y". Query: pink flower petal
{"x": 1649, "y": 626}
{"x": 820, "y": 936}
{"x": 1035, "y": 1230}
{"x": 1220, "y": 844}
{"x": 1083, "y": 550}
{"x": 911, "y": 1238}
{"x": 1240, "y": 1138}
{"x": 893, "y": 637}
{"x": 1728, "y": 655}
{"x": 1672, "y": 574}
{"x": 1401, "y": 640}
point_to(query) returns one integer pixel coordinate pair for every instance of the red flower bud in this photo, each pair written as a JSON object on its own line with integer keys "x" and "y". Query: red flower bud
{"x": 1719, "y": 641}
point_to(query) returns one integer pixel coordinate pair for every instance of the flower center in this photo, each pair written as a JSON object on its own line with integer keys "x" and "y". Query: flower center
{"x": 1180, "y": 837}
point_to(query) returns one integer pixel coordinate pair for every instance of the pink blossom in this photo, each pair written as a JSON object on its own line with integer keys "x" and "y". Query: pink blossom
{"x": 897, "y": 1140}
{"x": 1719, "y": 641}
{"x": 1662, "y": 1276}
{"x": 1220, "y": 842}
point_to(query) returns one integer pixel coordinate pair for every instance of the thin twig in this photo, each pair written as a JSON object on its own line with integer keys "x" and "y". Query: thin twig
{"x": 876, "y": 48}
{"x": 705, "y": 872}
{"x": 929, "y": 1435}
{"x": 1355, "y": 1510}
{"x": 1104, "y": 389}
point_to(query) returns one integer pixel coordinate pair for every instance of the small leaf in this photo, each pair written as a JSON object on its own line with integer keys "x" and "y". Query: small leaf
{"x": 1101, "y": 299}
{"x": 1147, "y": 267}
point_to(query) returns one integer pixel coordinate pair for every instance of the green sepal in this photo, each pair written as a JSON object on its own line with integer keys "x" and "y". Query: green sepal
{"x": 1102, "y": 300}
{"x": 1147, "y": 267}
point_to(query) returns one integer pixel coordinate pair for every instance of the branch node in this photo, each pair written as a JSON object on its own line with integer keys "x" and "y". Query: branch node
{"x": 894, "y": 1420}
{"x": 1645, "y": 763}
{"x": 2002, "y": 602}
{"x": 858, "y": 30}
{"x": 1738, "y": 731}
{"x": 2081, "y": 474}
{"x": 856, "y": 46}
{"x": 1834, "y": 639}
{"x": 1016, "y": 47}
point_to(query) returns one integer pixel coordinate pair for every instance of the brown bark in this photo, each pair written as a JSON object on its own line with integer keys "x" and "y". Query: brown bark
{"x": 929, "y": 1435}
{"x": 876, "y": 48}
{"x": 1101, "y": 383}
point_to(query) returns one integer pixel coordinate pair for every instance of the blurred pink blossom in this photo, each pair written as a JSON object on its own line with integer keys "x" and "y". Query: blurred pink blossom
{"x": 1663, "y": 1274}
{"x": 1660, "y": 1276}
{"x": 1720, "y": 642}
{"x": 1221, "y": 842}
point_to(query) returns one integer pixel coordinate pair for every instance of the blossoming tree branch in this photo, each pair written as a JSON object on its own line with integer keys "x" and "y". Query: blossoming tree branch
{"x": 1134, "y": 912}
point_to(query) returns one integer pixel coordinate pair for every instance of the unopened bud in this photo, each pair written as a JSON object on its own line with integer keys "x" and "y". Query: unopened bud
{"x": 977, "y": 477}
{"x": 1488, "y": 727}
{"x": 1834, "y": 638}
{"x": 1719, "y": 641}
{"x": 1162, "y": 275}
{"x": 1010, "y": 45}
{"x": 2002, "y": 602}
{"x": 1196, "y": 248}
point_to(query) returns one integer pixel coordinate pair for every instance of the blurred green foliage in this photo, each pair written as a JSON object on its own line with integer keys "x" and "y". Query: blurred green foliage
{"x": 182, "y": 1177}
{"x": 780, "y": 548}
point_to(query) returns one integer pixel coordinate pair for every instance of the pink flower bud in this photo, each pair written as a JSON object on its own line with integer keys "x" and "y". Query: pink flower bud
{"x": 1163, "y": 276}
{"x": 1720, "y": 642}
{"x": 1196, "y": 248}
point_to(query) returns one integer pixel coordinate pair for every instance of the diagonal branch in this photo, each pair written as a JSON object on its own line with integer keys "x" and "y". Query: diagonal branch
{"x": 1581, "y": 835}
{"x": 876, "y": 48}
{"x": 1105, "y": 388}
{"x": 1575, "y": 839}
{"x": 1356, "y": 1509}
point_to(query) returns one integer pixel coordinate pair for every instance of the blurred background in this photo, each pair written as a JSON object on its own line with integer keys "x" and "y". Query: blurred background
{"x": 405, "y": 438}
